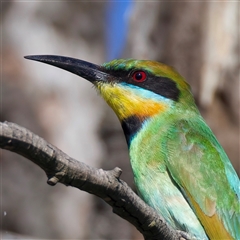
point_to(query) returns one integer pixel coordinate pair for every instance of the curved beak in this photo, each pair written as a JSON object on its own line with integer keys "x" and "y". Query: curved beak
{"x": 89, "y": 71}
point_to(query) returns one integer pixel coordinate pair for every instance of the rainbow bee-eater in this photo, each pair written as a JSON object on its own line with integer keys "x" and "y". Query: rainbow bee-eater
{"x": 179, "y": 167}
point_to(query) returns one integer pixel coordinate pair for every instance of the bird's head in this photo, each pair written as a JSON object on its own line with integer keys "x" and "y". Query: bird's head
{"x": 135, "y": 89}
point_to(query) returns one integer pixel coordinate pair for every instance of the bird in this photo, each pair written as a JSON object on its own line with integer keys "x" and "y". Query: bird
{"x": 179, "y": 167}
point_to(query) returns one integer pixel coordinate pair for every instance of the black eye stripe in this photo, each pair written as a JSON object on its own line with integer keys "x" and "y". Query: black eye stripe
{"x": 163, "y": 86}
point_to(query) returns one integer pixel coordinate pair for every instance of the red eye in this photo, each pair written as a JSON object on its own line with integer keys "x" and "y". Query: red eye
{"x": 139, "y": 76}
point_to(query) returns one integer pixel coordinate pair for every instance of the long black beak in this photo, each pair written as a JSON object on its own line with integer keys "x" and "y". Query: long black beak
{"x": 87, "y": 70}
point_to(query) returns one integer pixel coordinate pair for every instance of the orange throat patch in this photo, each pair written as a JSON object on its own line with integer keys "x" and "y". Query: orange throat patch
{"x": 125, "y": 102}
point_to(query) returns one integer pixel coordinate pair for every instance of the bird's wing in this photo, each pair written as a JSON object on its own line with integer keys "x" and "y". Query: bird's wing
{"x": 202, "y": 170}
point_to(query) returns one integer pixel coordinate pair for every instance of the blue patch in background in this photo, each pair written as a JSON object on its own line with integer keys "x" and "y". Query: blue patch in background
{"x": 117, "y": 27}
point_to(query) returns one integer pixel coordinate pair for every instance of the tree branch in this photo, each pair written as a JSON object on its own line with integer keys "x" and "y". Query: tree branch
{"x": 107, "y": 185}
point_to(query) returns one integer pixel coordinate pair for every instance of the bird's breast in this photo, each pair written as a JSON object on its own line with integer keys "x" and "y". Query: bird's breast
{"x": 152, "y": 179}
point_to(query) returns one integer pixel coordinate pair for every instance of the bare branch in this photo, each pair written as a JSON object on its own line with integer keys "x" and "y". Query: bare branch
{"x": 107, "y": 185}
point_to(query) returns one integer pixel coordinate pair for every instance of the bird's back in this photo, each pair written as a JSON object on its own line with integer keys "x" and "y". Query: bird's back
{"x": 182, "y": 171}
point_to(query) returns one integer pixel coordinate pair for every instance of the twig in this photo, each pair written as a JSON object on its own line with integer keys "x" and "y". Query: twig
{"x": 107, "y": 185}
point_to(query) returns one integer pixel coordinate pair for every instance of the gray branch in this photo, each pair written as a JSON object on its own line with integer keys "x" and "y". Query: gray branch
{"x": 107, "y": 185}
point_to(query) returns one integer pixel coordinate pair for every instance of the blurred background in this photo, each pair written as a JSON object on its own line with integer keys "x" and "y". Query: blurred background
{"x": 199, "y": 38}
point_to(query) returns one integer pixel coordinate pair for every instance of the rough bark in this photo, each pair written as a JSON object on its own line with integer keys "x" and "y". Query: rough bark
{"x": 59, "y": 167}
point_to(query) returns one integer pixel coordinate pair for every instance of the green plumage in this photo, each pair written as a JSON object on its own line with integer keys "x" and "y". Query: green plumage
{"x": 179, "y": 167}
{"x": 189, "y": 156}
